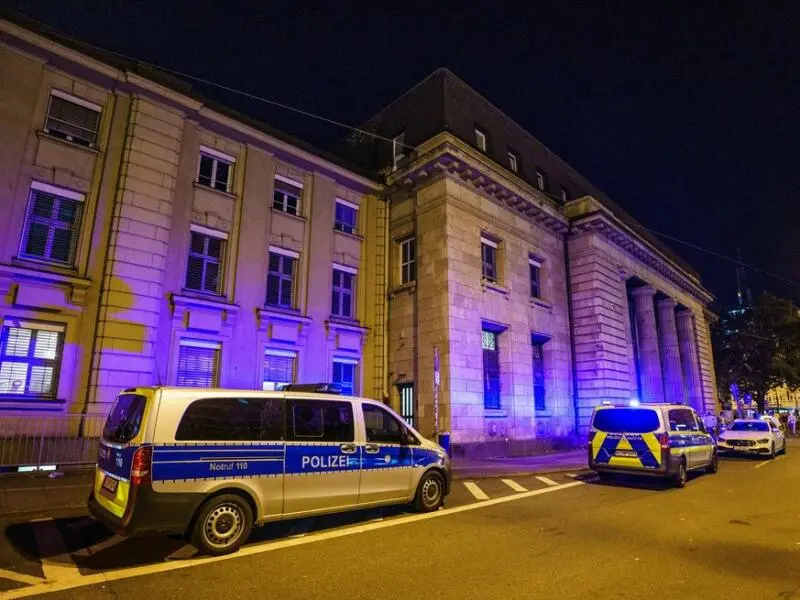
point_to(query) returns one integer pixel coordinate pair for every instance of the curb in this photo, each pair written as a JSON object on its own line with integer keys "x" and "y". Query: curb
{"x": 461, "y": 477}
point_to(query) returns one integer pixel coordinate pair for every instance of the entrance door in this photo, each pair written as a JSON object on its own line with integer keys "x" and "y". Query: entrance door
{"x": 386, "y": 462}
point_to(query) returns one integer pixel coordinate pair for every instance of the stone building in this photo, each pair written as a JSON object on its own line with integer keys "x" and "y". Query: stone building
{"x": 153, "y": 236}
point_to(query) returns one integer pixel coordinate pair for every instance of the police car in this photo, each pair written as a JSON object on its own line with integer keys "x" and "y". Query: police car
{"x": 661, "y": 440}
{"x": 211, "y": 463}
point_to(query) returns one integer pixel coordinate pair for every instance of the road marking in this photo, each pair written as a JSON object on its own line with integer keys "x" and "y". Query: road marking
{"x": 20, "y": 577}
{"x": 163, "y": 567}
{"x": 475, "y": 490}
{"x": 100, "y": 546}
{"x": 300, "y": 527}
{"x": 766, "y": 462}
{"x": 547, "y": 480}
{"x": 514, "y": 485}
{"x": 57, "y": 563}
{"x": 573, "y": 475}
{"x": 88, "y": 486}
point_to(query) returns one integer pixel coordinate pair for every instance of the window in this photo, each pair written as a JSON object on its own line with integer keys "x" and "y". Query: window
{"x": 198, "y": 364}
{"x": 287, "y": 194}
{"x": 320, "y": 421}
{"x": 491, "y": 369}
{"x": 278, "y": 369}
{"x": 541, "y": 180}
{"x": 72, "y": 119}
{"x": 480, "y": 140}
{"x": 381, "y": 426}
{"x": 407, "y": 402}
{"x": 206, "y": 260}
{"x": 535, "y": 268}
{"x": 408, "y": 260}
{"x": 215, "y": 170}
{"x": 749, "y": 426}
{"x": 489, "y": 259}
{"x": 538, "y": 375}
{"x": 626, "y": 420}
{"x": 125, "y": 418}
{"x": 398, "y": 148}
{"x": 343, "y": 292}
{"x": 344, "y": 374}
{"x": 30, "y": 356}
{"x": 682, "y": 419}
{"x": 513, "y": 162}
{"x": 346, "y": 216}
{"x": 52, "y": 224}
{"x": 232, "y": 420}
{"x": 565, "y": 197}
{"x": 280, "y": 277}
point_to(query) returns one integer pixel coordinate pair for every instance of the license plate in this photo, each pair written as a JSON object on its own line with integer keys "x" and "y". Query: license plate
{"x": 110, "y": 485}
{"x": 626, "y": 453}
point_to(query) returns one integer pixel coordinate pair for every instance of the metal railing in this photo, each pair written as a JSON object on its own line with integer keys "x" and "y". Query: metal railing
{"x": 61, "y": 440}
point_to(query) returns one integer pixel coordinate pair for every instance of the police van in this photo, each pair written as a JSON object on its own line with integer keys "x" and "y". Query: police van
{"x": 211, "y": 463}
{"x": 661, "y": 440}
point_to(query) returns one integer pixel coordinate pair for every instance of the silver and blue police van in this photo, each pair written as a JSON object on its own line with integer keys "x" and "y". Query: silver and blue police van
{"x": 211, "y": 463}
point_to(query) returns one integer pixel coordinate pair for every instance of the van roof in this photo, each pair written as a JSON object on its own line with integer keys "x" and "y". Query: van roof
{"x": 228, "y": 392}
{"x": 645, "y": 405}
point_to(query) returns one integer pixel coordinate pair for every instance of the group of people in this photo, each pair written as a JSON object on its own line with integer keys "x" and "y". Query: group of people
{"x": 788, "y": 421}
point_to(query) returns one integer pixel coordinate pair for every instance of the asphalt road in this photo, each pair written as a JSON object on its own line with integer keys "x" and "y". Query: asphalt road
{"x": 735, "y": 534}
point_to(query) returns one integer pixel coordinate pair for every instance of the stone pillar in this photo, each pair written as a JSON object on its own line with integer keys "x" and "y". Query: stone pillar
{"x": 693, "y": 390}
{"x": 670, "y": 352}
{"x": 647, "y": 339}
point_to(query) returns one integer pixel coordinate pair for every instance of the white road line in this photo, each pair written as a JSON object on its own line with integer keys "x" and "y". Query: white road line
{"x": 100, "y": 546}
{"x": 163, "y": 567}
{"x": 300, "y": 527}
{"x": 57, "y": 564}
{"x": 573, "y": 475}
{"x": 20, "y": 577}
{"x": 546, "y": 480}
{"x": 475, "y": 490}
{"x": 766, "y": 462}
{"x": 514, "y": 485}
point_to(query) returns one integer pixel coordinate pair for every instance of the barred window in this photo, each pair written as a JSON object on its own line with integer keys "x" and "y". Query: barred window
{"x": 281, "y": 277}
{"x": 30, "y": 356}
{"x": 287, "y": 194}
{"x": 204, "y": 268}
{"x": 342, "y": 293}
{"x": 52, "y": 224}
{"x": 279, "y": 369}
{"x": 72, "y": 119}
{"x": 198, "y": 364}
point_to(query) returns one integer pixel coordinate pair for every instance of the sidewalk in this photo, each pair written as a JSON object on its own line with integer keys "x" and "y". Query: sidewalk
{"x": 554, "y": 462}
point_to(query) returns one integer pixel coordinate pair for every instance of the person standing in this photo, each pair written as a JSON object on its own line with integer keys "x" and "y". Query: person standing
{"x": 791, "y": 421}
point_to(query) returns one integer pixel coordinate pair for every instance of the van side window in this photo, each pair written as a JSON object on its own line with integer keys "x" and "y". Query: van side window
{"x": 320, "y": 421}
{"x": 381, "y": 426}
{"x": 232, "y": 420}
{"x": 681, "y": 419}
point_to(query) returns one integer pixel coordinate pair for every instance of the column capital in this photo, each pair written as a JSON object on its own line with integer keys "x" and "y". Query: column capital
{"x": 667, "y": 303}
{"x": 684, "y": 313}
{"x": 645, "y": 290}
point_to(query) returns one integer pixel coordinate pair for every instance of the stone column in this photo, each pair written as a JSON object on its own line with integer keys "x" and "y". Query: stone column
{"x": 647, "y": 340}
{"x": 690, "y": 360}
{"x": 670, "y": 352}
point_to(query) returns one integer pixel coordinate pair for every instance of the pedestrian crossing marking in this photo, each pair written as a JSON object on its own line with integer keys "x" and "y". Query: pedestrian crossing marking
{"x": 475, "y": 490}
{"x": 546, "y": 480}
{"x": 20, "y": 577}
{"x": 514, "y": 485}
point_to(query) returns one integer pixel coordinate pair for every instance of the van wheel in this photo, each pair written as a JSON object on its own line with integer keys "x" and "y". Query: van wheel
{"x": 680, "y": 476}
{"x": 430, "y": 492}
{"x": 605, "y": 477}
{"x": 222, "y": 525}
{"x": 713, "y": 466}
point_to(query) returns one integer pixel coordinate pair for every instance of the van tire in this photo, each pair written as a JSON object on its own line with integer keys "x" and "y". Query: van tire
{"x": 681, "y": 474}
{"x": 713, "y": 466}
{"x": 430, "y": 492}
{"x": 212, "y": 533}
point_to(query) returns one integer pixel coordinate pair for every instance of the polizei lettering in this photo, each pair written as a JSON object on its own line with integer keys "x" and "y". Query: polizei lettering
{"x": 323, "y": 462}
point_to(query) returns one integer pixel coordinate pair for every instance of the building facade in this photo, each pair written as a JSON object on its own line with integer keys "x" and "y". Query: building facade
{"x": 153, "y": 237}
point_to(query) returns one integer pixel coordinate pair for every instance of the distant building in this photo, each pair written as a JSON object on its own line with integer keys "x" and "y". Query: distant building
{"x": 152, "y": 236}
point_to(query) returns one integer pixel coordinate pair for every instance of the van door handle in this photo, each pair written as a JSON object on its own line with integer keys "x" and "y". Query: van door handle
{"x": 372, "y": 448}
{"x": 348, "y": 448}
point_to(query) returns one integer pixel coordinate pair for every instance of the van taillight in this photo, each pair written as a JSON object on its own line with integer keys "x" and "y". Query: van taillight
{"x": 141, "y": 466}
{"x": 663, "y": 439}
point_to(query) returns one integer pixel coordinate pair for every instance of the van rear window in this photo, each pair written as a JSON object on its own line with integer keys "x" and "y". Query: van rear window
{"x": 625, "y": 420}
{"x": 125, "y": 418}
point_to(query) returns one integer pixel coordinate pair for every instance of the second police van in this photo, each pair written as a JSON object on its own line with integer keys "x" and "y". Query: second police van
{"x": 210, "y": 463}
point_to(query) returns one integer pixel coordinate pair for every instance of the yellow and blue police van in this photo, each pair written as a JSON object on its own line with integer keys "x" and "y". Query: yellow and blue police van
{"x": 211, "y": 463}
{"x": 657, "y": 440}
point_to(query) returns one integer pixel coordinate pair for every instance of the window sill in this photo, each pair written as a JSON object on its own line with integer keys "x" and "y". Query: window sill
{"x": 541, "y": 303}
{"x": 405, "y": 288}
{"x": 200, "y": 186}
{"x": 31, "y": 403}
{"x": 494, "y": 287}
{"x": 346, "y": 321}
{"x": 300, "y": 218}
{"x": 64, "y": 142}
{"x": 282, "y": 310}
{"x": 195, "y": 298}
{"x": 354, "y": 236}
{"x": 495, "y": 413}
{"x": 543, "y": 412}
{"x": 37, "y": 265}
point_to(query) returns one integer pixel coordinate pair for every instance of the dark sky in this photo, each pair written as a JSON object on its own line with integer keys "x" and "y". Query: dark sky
{"x": 686, "y": 113}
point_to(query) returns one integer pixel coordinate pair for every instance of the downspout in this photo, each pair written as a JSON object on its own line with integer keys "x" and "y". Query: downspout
{"x": 415, "y": 335}
{"x": 571, "y": 321}
{"x": 383, "y": 197}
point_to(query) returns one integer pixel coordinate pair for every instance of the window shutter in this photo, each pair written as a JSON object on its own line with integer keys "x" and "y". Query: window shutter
{"x": 29, "y": 359}
{"x": 279, "y": 369}
{"x": 73, "y": 121}
{"x": 51, "y": 227}
{"x": 198, "y": 366}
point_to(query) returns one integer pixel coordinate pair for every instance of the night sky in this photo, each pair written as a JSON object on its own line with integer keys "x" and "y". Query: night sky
{"x": 687, "y": 114}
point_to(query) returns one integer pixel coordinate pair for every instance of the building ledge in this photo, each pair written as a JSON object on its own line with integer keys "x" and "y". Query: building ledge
{"x": 541, "y": 303}
{"x": 274, "y": 313}
{"x": 228, "y": 195}
{"x": 494, "y": 287}
{"x": 34, "y": 272}
{"x": 544, "y": 412}
{"x": 354, "y": 236}
{"x": 203, "y": 314}
{"x": 64, "y": 142}
{"x": 495, "y": 413}
{"x": 283, "y": 213}
{"x": 405, "y": 288}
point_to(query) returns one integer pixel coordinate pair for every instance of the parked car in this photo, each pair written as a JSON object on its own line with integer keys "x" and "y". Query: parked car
{"x": 752, "y": 436}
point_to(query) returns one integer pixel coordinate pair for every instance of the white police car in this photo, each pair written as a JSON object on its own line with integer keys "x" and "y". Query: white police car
{"x": 211, "y": 463}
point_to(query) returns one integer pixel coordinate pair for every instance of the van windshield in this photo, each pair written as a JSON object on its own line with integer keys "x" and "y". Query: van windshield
{"x": 626, "y": 420}
{"x": 125, "y": 418}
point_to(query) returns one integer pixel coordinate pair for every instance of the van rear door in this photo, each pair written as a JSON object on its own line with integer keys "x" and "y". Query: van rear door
{"x": 626, "y": 437}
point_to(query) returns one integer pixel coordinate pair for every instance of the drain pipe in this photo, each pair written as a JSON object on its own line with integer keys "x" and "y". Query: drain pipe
{"x": 571, "y": 321}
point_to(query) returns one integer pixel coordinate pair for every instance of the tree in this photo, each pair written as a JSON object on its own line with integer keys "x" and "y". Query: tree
{"x": 758, "y": 348}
